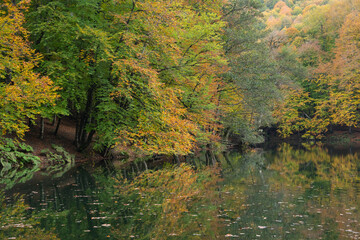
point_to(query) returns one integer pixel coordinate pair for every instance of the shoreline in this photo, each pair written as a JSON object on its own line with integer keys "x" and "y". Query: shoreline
{"x": 338, "y": 139}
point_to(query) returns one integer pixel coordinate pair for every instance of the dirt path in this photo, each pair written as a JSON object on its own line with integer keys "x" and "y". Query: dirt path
{"x": 64, "y": 138}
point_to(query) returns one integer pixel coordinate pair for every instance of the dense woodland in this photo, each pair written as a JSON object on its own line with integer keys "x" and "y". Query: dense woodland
{"x": 169, "y": 77}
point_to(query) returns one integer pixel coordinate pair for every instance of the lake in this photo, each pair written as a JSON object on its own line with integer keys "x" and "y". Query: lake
{"x": 307, "y": 192}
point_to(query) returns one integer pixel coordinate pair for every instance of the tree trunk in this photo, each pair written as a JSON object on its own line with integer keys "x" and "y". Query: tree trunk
{"x": 8, "y": 76}
{"x": 29, "y": 123}
{"x": 146, "y": 167}
{"x": 137, "y": 167}
{"x": 133, "y": 171}
{"x": 84, "y": 144}
{"x": 226, "y": 156}
{"x": 57, "y": 126}
{"x": 207, "y": 158}
{"x": 42, "y": 128}
{"x": 76, "y": 140}
{"x": 82, "y": 138}
{"x": 227, "y": 135}
{"x": 176, "y": 157}
{"x": 54, "y": 120}
{"x": 212, "y": 157}
{"x": 106, "y": 151}
{"x": 216, "y": 158}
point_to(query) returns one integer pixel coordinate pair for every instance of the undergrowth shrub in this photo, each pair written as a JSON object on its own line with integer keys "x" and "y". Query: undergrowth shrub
{"x": 15, "y": 154}
{"x": 58, "y": 155}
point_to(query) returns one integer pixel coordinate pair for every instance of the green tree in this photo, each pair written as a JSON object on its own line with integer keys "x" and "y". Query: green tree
{"x": 254, "y": 78}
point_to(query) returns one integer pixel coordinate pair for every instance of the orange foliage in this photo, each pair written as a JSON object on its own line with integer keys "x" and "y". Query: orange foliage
{"x": 291, "y": 32}
{"x": 174, "y": 192}
{"x": 344, "y": 79}
{"x": 273, "y": 22}
{"x": 178, "y": 56}
{"x": 279, "y": 5}
{"x": 308, "y": 8}
{"x": 285, "y": 10}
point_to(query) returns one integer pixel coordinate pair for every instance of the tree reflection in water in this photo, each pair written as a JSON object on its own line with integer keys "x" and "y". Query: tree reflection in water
{"x": 284, "y": 194}
{"x": 15, "y": 223}
{"x": 295, "y": 194}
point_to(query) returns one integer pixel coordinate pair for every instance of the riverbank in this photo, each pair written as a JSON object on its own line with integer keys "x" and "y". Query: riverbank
{"x": 338, "y": 139}
{"x": 64, "y": 138}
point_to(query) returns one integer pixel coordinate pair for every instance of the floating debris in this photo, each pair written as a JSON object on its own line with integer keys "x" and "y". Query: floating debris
{"x": 94, "y": 218}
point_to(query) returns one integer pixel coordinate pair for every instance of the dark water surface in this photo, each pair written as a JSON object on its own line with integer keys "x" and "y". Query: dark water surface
{"x": 289, "y": 193}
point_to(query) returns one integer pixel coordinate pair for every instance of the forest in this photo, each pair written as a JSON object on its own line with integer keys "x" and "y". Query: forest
{"x": 163, "y": 77}
{"x": 179, "y": 119}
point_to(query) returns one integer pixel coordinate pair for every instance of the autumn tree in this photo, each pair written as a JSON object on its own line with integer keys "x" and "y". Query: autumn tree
{"x": 75, "y": 40}
{"x": 344, "y": 81}
{"x": 180, "y": 57}
{"x": 24, "y": 93}
{"x": 134, "y": 72}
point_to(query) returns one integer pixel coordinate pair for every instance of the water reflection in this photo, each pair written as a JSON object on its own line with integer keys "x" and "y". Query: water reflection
{"x": 174, "y": 202}
{"x": 16, "y": 224}
{"x": 289, "y": 193}
{"x": 9, "y": 177}
{"x": 302, "y": 194}
{"x": 171, "y": 203}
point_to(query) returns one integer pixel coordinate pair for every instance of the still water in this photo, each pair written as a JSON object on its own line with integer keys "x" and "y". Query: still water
{"x": 289, "y": 193}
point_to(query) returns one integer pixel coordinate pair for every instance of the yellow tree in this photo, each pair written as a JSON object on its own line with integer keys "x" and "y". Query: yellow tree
{"x": 23, "y": 93}
{"x": 344, "y": 69}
